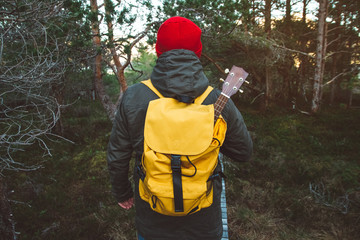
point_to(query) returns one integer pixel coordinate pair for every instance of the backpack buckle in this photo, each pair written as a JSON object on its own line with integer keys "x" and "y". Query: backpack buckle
{"x": 176, "y": 163}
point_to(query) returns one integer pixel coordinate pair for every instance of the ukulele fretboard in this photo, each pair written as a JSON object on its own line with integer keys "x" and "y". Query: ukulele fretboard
{"x": 219, "y": 105}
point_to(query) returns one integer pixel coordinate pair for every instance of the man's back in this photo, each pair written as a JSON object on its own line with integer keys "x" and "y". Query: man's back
{"x": 130, "y": 123}
{"x": 178, "y": 74}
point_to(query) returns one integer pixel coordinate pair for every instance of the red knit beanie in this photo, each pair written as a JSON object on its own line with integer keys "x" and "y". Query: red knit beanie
{"x": 178, "y": 33}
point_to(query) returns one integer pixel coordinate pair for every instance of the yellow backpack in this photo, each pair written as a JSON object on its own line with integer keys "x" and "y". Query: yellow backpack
{"x": 181, "y": 147}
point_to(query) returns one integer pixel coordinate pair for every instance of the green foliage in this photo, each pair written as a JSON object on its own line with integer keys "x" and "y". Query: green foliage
{"x": 70, "y": 197}
{"x": 38, "y": 48}
{"x": 77, "y": 85}
{"x": 233, "y": 34}
{"x": 142, "y": 66}
{"x": 302, "y": 169}
{"x": 109, "y": 9}
{"x": 111, "y": 86}
{"x": 304, "y": 173}
{"x": 214, "y": 17}
{"x": 123, "y": 13}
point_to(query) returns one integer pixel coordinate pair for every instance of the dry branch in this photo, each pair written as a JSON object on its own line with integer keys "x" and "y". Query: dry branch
{"x": 30, "y": 66}
{"x": 294, "y": 51}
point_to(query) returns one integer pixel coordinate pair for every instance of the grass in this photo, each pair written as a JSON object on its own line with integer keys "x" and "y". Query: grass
{"x": 271, "y": 197}
{"x": 268, "y": 198}
{"x": 69, "y": 198}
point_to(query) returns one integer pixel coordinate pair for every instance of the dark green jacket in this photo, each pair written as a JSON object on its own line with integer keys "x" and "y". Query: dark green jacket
{"x": 177, "y": 73}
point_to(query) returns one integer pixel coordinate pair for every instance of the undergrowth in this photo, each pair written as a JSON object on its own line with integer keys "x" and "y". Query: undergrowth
{"x": 302, "y": 182}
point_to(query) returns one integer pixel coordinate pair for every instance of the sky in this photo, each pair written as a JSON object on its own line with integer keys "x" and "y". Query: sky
{"x": 297, "y": 9}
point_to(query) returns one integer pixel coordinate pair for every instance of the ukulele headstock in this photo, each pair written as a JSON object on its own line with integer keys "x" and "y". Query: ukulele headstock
{"x": 233, "y": 81}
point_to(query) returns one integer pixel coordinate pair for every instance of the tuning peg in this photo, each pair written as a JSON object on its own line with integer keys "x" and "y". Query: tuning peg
{"x": 247, "y": 82}
{"x": 227, "y": 71}
{"x": 222, "y": 80}
{"x": 241, "y": 91}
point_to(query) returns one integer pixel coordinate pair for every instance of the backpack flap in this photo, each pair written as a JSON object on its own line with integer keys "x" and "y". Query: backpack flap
{"x": 170, "y": 127}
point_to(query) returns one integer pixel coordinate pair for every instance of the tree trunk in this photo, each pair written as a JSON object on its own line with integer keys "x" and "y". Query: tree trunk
{"x": 289, "y": 63}
{"x": 268, "y": 81}
{"x": 320, "y": 57}
{"x": 288, "y": 11}
{"x": 120, "y": 70}
{"x": 99, "y": 85}
{"x": 303, "y": 59}
{"x": 337, "y": 45}
{"x": 305, "y": 3}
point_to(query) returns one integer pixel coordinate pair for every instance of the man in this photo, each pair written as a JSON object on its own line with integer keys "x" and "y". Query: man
{"x": 178, "y": 74}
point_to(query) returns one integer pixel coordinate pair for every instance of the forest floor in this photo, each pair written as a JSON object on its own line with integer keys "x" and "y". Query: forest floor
{"x": 303, "y": 181}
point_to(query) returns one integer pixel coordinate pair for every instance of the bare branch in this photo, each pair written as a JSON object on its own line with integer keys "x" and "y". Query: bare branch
{"x": 333, "y": 53}
{"x": 135, "y": 70}
{"x": 137, "y": 39}
{"x": 294, "y": 51}
{"x": 324, "y": 197}
{"x": 214, "y": 62}
{"x": 31, "y": 64}
{"x": 335, "y": 40}
{"x": 337, "y": 76}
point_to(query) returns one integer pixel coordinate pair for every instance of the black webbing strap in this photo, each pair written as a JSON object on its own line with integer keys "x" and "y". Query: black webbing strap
{"x": 138, "y": 165}
{"x": 177, "y": 183}
{"x": 219, "y": 174}
{"x": 140, "y": 172}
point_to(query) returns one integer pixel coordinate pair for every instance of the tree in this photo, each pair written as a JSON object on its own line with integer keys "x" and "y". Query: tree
{"x": 320, "y": 56}
{"x": 110, "y": 50}
{"x": 239, "y": 38}
{"x": 119, "y": 68}
{"x": 98, "y": 81}
{"x": 38, "y": 46}
{"x": 268, "y": 80}
{"x": 217, "y": 19}
{"x": 342, "y": 48}
{"x": 36, "y": 50}
{"x": 31, "y": 65}
{"x": 279, "y": 53}
{"x": 221, "y": 22}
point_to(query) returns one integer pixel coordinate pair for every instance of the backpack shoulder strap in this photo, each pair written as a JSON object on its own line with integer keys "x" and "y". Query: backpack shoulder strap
{"x": 198, "y": 100}
{"x": 202, "y": 97}
{"x": 149, "y": 84}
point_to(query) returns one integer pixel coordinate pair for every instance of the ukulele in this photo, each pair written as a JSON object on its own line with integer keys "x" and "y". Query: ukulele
{"x": 232, "y": 84}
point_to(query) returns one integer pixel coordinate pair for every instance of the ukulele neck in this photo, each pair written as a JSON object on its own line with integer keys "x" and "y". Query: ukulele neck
{"x": 219, "y": 105}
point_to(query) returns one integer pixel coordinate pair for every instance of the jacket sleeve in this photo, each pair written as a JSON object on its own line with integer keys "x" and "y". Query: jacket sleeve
{"x": 238, "y": 144}
{"x": 118, "y": 156}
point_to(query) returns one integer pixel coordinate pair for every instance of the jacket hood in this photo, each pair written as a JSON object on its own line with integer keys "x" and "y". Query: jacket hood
{"x": 179, "y": 74}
